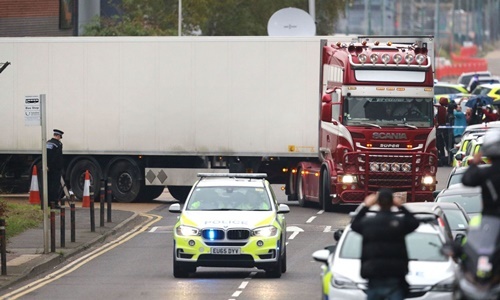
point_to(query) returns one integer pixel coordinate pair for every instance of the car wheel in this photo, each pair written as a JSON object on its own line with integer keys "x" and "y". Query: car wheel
{"x": 283, "y": 262}
{"x": 180, "y": 269}
{"x": 276, "y": 270}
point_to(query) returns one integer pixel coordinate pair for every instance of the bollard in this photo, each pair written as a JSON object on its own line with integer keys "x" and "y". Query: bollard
{"x": 72, "y": 220}
{"x": 3, "y": 241}
{"x": 52, "y": 228}
{"x": 92, "y": 211}
{"x": 102, "y": 196}
{"x": 63, "y": 225}
{"x": 109, "y": 197}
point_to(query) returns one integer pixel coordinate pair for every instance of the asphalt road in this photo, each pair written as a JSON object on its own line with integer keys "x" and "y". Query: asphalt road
{"x": 139, "y": 264}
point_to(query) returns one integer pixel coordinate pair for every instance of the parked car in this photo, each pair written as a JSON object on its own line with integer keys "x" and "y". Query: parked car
{"x": 465, "y": 78}
{"x": 491, "y": 90}
{"x": 431, "y": 274}
{"x": 449, "y": 90}
{"x": 473, "y": 148}
{"x": 452, "y": 216}
{"x": 464, "y": 147}
{"x": 456, "y": 175}
{"x": 230, "y": 220}
{"x": 468, "y": 197}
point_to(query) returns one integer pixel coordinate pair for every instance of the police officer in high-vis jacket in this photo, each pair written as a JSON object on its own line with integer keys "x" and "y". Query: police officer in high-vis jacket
{"x": 55, "y": 166}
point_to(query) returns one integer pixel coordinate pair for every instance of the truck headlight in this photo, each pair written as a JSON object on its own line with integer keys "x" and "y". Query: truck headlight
{"x": 348, "y": 178}
{"x": 265, "y": 231}
{"x": 183, "y": 230}
{"x": 427, "y": 180}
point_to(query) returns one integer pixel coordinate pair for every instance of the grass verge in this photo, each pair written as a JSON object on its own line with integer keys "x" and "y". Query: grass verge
{"x": 19, "y": 217}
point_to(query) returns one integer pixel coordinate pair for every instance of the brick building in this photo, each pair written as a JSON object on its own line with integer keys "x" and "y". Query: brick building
{"x": 45, "y": 17}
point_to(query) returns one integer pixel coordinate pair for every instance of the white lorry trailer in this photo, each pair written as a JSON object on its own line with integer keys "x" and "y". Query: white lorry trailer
{"x": 150, "y": 112}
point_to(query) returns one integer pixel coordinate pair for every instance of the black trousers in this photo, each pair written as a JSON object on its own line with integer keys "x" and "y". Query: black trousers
{"x": 54, "y": 187}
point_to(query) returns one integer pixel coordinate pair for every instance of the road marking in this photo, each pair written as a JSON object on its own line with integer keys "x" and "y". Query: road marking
{"x": 320, "y": 212}
{"x": 295, "y": 230}
{"x": 153, "y": 229}
{"x": 236, "y": 294}
{"x": 311, "y": 219}
{"x": 243, "y": 285}
{"x": 327, "y": 229}
{"x": 16, "y": 294}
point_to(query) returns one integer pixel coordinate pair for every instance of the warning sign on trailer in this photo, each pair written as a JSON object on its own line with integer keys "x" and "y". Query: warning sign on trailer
{"x": 32, "y": 112}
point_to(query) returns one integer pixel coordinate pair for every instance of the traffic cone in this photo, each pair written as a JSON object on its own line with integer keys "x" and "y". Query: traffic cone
{"x": 86, "y": 190}
{"x": 34, "y": 191}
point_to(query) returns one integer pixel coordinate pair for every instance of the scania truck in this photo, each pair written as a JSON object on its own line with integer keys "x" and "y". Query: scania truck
{"x": 151, "y": 112}
{"x": 377, "y": 123}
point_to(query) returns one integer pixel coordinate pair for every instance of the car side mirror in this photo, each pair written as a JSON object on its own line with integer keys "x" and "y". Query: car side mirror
{"x": 459, "y": 156}
{"x": 435, "y": 193}
{"x": 337, "y": 234}
{"x": 175, "y": 208}
{"x": 321, "y": 255}
{"x": 283, "y": 209}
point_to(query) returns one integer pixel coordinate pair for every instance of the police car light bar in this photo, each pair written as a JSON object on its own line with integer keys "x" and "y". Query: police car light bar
{"x": 234, "y": 175}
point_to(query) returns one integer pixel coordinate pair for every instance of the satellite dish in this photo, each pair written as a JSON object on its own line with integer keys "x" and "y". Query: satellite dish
{"x": 291, "y": 22}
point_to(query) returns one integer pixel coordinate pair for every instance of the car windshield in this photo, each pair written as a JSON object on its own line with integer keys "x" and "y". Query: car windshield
{"x": 363, "y": 111}
{"x": 420, "y": 246}
{"x": 472, "y": 203}
{"x": 456, "y": 219}
{"x": 481, "y": 90}
{"x": 456, "y": 179}
{"x": 229, "y": 198}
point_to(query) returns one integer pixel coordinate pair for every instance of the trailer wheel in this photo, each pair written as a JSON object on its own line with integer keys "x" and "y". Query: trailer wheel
{"x": 125, "y": 181}
{"x": 325, "y": 199}
{"x": 300, "y": 189}
{"x": 179, "y": 192}
{"x": 149, "y": 193}
{"x": 77, "y": 177}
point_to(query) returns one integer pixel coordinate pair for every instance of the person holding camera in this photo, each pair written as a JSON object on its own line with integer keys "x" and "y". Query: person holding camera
{"x": 460, "y": 123}
{"x": 384, "y": 258}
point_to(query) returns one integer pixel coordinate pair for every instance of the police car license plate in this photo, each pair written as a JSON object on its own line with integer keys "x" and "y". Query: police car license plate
{"x": 225, "y": 250}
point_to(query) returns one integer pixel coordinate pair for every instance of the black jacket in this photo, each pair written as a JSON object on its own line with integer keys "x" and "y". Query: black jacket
{"x": 384, "y": 249}
{"x": 55, "y": 160}
{"x": 488, "y": 179}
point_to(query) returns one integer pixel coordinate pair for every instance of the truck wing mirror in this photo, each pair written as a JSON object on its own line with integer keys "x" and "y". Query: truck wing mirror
{"x": 326, "y": 112}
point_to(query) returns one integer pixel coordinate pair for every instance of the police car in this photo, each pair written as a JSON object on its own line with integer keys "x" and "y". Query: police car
{"x": 230, "y": 220}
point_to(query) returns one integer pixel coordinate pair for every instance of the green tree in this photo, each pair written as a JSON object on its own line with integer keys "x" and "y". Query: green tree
{"x": 207, "y": 17}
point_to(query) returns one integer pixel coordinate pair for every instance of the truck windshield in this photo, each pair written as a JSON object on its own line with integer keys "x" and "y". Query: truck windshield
{"x": 396, "y": 112}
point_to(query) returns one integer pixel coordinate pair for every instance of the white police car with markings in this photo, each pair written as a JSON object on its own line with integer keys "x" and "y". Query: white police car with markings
{"x": 230, "y": 220}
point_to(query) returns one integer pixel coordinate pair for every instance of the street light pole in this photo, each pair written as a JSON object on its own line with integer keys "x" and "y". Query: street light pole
{"x": 179, "y": 25}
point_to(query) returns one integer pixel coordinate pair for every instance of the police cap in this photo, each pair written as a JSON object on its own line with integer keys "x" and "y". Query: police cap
{"x": 58, "y": 132}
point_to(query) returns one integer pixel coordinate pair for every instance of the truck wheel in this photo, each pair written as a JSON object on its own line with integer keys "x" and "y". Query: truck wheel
{"x": 149, "y": 193}
{"x": 179, "y": 192}
{"x": 300, "y": 191}
{"x": 77, "y": 177}
{"x": 125, "y": 181}
{"x": 326, "y": 200}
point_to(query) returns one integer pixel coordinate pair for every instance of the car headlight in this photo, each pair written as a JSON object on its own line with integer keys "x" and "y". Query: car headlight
{"x": 265, "y": 231}
{"x": 341, "y": 282}
{"x": 183, "y": 230}
{"x": 446, "y": 285}
{"x": 427, "y": 180}
{"x": 348, "y": 178}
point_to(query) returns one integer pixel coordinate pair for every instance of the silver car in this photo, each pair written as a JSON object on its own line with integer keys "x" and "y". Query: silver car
{"x": 431, "y": 274}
